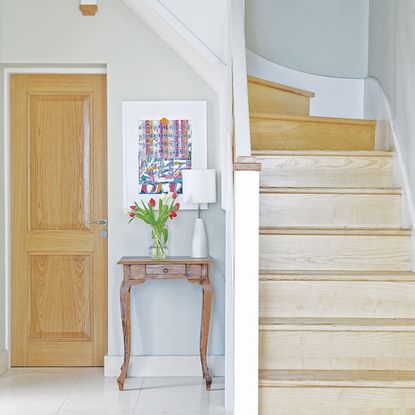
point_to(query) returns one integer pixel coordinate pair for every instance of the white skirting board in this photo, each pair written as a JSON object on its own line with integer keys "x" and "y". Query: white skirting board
{"x": 388, "y": 137}
{"x": 157, "y": 366}
{"x": 334, "y": 97}
{"x": 4, "y": 361}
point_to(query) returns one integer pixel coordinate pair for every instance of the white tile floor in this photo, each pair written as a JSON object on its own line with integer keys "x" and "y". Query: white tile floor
{"x": 85, "y": 391}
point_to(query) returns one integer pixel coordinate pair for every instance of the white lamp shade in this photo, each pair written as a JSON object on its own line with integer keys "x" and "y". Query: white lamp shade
{"x": 199, "y": 186}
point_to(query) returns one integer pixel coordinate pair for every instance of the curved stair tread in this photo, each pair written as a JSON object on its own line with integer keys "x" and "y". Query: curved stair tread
{"x": 330, "y": 153}
{"x": 337, "y": 378}
{"x": 336, "y": 275}
{"x": 334, "y": 231}
{"x": 313, "y": 119}
{"x": 336, "y": 324}
{"x": 330, "y": 190}
{"x": 280, "y": 87}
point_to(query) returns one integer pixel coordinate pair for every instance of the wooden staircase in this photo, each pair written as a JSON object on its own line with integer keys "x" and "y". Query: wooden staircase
{"x": 337, "y": 295}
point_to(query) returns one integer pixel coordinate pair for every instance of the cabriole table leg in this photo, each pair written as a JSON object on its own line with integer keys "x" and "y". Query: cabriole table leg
{"x": 204, "y": 329}
{"x": 125, "y": 301}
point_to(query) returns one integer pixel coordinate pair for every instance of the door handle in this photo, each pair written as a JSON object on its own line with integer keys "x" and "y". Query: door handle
{"x": 102, "y": 222}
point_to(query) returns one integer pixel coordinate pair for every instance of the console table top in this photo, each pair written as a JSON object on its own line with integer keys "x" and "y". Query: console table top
{"x": 142, "y": 260}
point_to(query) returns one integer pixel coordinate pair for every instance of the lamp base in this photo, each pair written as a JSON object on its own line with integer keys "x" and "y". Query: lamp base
{"x": 200, "y": 248}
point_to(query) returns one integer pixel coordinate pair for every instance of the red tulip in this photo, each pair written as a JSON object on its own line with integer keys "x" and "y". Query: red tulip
{"x": 172, "y": 214}
{"x": 132, "y": 215}
{"x": 152, "y": 202}
{"x": 174, "y": 195}
{"x": 176, "y": 207}
{"x": 132, "y": 207}
{"x": 172, "y": 187}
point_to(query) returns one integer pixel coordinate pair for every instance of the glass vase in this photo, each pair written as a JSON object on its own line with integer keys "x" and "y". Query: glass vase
{"x": 158, "y": 249}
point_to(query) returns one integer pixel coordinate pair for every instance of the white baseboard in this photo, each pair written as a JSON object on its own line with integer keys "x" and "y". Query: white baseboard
{"x": 389, "y": 137}
{"x": 4, "y": 361}
{"x": 156, "y": 366}
{"x": 335, "y": 97}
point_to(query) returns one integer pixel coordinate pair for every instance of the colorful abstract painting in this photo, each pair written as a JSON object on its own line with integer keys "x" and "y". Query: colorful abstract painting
{"x": 164, "y": 151}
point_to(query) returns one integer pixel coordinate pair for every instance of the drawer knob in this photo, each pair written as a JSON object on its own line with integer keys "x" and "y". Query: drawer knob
{"x": 165, "y": 270}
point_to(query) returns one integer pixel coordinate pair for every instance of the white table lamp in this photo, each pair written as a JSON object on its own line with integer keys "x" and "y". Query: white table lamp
{"x": 199, "y": 186}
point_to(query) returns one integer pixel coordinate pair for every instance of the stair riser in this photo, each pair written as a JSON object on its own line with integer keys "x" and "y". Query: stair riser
{"x": 330, "y": 210}
{"x": 326, "y": 171}
{"x": 337, "y": 350}
{"x": 334, "y": 252}
{"x": 337, "y": 299}
{"x": 286, "y": 134}
{"x": 336, "y": 401}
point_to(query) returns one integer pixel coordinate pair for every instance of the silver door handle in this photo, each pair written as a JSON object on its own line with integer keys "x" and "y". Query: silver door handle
{"x": 102, "y": 222}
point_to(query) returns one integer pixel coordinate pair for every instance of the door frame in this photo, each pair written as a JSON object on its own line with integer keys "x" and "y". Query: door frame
{"x": 7, "y": 71}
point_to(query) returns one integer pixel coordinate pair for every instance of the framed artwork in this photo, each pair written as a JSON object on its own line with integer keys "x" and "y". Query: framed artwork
{"x": 161, "y": 139}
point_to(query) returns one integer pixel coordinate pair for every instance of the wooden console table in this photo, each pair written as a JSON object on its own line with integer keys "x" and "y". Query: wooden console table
{"x": 139, "y": 269}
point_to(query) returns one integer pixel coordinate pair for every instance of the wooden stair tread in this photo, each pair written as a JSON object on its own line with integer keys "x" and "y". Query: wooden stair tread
{"x": 335, "y": 249}
{"x": 395, "y": 276}
{"x": 331, "y": 153}
{"x": 302, "y": 132}
{"x": 330, "y": 207}
{"x": 267, "y": 96}
{"x": 337, "y": 378}
{"x": 322, "y": 120}
{"x": 332, "y": 231}
{"x": 322, "y": 169}
{"x": 281, "y": 87}
{"x": 330, "y": 190}
{"x": 335, "y": 324}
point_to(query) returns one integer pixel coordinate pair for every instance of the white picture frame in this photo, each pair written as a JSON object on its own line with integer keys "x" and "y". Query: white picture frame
{"x": 135, "y": 111}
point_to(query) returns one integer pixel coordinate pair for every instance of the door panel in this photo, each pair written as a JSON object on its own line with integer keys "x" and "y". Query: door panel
{"x": 53, "y": 313}
{"x": 58, "y": 182}
{"x": 59, "y": 161}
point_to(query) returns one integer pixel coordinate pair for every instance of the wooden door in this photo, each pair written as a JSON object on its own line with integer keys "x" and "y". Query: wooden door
{"x": 58, "y": 185}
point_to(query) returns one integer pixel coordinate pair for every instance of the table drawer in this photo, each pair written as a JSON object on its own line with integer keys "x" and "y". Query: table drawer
{"x": 166, "y": 270}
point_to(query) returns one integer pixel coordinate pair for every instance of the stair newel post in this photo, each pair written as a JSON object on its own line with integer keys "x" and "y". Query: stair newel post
{"x": 245, "y": 222}
{"x": 246, "y": 284}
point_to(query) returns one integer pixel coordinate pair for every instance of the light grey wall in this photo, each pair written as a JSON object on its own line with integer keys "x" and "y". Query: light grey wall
{"x": 3, "y": 303}
{"x": 392, "y": 62}
{"x": 166, "y": 314}
{"x": 382, "y": 63}
{"x": 323, "y": 37}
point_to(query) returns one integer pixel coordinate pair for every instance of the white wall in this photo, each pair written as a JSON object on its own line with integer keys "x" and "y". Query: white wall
{"x": 392, "y": 62}
{"x": 323, "y": 37}
{"x": 3, "y": 303}
{"x": 205, "y": 19}
{"x": 166, "y": 314}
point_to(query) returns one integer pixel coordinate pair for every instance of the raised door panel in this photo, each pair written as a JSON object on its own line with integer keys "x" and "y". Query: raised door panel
{"x": 59, "y": 144}
{"x": 61, "y": 298}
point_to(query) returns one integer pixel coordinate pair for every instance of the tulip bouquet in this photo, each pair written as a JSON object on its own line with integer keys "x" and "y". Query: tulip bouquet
{"x": 167, "y": 208}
